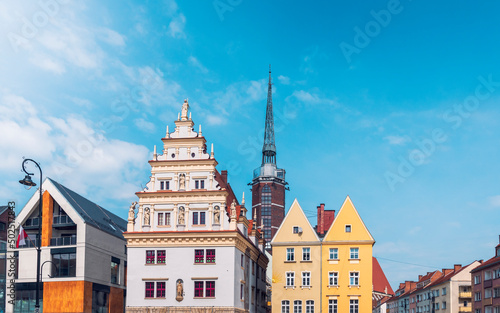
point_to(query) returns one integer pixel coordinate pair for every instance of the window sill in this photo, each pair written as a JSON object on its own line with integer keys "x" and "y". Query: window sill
{"x": 205, "y": 263}
{"x": 305, "y": 287}
{"x": 203, "y": 297}
{"x": 333, "y": 286}
{"x": 199, "y": 225}
{"x": 164, "y": 226}
{"x": 354, "y": 286}
{"x": 289, "y": 287}
{"x": 290, "y": 261}
{"x": 153, "y": 298}
{"x": 306, "y": 261}
{"x": 155, "y": 264}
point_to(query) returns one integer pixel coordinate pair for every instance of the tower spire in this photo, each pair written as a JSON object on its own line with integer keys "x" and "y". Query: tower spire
{"x": 269, "y": 148}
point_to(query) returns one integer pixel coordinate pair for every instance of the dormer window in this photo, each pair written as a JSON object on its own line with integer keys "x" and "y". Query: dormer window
{"x": 347, "y": 228}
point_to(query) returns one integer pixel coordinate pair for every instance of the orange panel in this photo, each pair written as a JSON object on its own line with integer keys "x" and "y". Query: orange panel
{"x": 67, "y": 296}
{"x": 47, "y": 217}
{"x": 116, "y": 304}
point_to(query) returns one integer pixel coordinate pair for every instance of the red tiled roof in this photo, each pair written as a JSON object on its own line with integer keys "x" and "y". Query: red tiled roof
{"x": 380, "y": 282}
{"x": 493, "y": 261}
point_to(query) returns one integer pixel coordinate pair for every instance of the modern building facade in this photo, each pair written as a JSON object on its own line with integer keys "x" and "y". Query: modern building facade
{"x": 83, "y": 255}
{"x": 268, "y": 183}
{"x": 485, "y": 280}
{"x": 329, "y": 274}
{"x": 190, "y": 244}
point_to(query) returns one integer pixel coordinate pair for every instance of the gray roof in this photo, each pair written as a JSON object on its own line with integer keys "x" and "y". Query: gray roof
{"x": 93, "y": 214}
{"x": 3, "y": 208}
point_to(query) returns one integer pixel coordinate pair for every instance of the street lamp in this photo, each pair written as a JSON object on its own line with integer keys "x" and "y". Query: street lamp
{"x": 28, "y": 182}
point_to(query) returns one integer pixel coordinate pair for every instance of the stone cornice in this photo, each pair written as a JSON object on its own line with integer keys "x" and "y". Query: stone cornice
{"x": 183, "y": 163}
{"x": 160, "y": 197}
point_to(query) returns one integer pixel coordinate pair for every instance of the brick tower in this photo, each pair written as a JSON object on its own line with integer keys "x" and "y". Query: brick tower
{"x": 268, "y": 184}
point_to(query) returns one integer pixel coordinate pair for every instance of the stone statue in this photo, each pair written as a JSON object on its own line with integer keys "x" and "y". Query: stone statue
{"x": 233, "y": 209}
{"x": 131, "y": 213}
{"x": 179, "y": 291}
{"x": 146, "y": 216}
{"x": 217, "y": 215}
{"x": 185, "y": 108}
{"x": 182, "y": 182}
{"x": 180, "y": 219}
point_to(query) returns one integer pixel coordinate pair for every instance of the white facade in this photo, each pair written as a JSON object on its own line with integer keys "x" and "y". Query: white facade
{"x": 188, "y": 245}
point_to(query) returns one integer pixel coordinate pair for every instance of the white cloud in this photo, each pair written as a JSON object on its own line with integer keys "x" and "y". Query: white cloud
{"x": 176, "y": 26}
{"x": 215, "y": 120}
{"x": 196, "y": 63}
{"x": 311, "y": 98}
{"x": 495, "y": 201}
{"x": 48, "y": 64}
{"x": 68, "y": 148}
{"x": 144, "y": 125}
{"x": 284, "y": 80}
{"x": 112, "y": 37}
{"x": 397, "y": 140}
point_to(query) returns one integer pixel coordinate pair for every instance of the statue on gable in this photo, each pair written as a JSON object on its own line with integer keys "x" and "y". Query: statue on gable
{"x": 216, "y": 214}
{"x": 147, "y": 217}
{"x": 180, "y": 219}
{"x": 131, "y": 212}
{"x": 233, "y": 209}
{"x": 185, "y": 108}
{"x": 182, "y": 181}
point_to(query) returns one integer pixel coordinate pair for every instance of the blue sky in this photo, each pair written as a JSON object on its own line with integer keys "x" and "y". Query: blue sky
{"x": 393, "y": 103}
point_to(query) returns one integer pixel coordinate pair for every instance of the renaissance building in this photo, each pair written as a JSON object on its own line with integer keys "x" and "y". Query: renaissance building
{"x": 190, "y": 245}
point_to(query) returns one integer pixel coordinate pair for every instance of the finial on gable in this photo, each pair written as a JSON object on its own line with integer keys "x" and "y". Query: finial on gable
{"x": 167, "y": 134}
{"x": 184, "y": 112}
{"x": 199, "y": 132}
{"x": 212, "y": 152}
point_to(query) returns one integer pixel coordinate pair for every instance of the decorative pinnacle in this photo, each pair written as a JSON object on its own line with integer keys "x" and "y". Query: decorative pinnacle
{"x": 154, "y": 153}
{"x": 167, "y": 134}
{"x": 199, "y": 132}
{"x": 269, "y": 148}
{"x": 212, "y": 152}
{"x": 243, "y": 199}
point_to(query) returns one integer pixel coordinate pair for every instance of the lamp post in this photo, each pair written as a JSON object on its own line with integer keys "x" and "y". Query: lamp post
{"x": 28, "y": 182}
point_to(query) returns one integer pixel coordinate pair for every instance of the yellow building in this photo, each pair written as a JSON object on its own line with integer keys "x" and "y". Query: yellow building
{"x": 347, "y": 263}
{"x": 330, "y": 275}
{"x": 296, "y": 247}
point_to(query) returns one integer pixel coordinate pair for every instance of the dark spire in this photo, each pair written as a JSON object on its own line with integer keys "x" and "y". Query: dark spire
{"x": 269, "y": 148}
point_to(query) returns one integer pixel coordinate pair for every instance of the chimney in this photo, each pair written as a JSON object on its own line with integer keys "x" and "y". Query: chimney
{"x": 321, "y": 212}
{"x": 223, "y": 175}
{"x": 457, "y": 267}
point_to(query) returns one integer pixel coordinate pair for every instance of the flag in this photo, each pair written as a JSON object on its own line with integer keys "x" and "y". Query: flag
{"x": 20, "y": 238}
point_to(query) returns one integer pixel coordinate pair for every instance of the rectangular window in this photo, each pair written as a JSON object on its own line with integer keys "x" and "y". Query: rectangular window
{"x": 354, "y": 278}
{"x": 496, "y": 292}
{"x": 477, "y": 279}
{"x": 202, "y": 218}
{"x": 488, "y": 309}
{"x": 198, "y": 289}
{"x": 332, "y": 306}
{"x": 210, "y": 289}
{"x": 242, "y": 260}
{"x": 210, "y": 255}
{"x": 115, "y": 269}
{"x": 443, "y": 305}
{"x": 443, "y": 291}
{"x": 160, "y": 256}
{"x": 150, "y": 289}
{"x": 297, "y": 306}
{"x": 202, "y": 184}
{"x": 306, "y": 279}
{"x": 290, "y": 279}
{"x": 160, "y": 289}
{"x": 333, "y": 278}
{"x": 306, "y": 254}
{"x": 354, "y": 253}
{"x": 353, "y": 306}
{"x": 487, "y": 293}
{"x": 285, "y": 306}
{"x": 65, "y": 265}
{"x": 162, "y": 185}
{"x": 167, "y": 219}
{"x": 242, "y": 294}
{"x": 487, "y": 276}
{"x": 309, "y": 306}
{"x": 167, "y": 185}
{"x": 160, "y": 219}
{"x": 477, "y": 296}
{"x": 195, "y": 218}
{"x": 196, "y": 184}
{"x": 290, "y": 254}
{"x": 150, "y": 257}
{"x": 334, "y": 253}
{"x": 295, "y": 229}
{"x": 199, "y": 256}
{"x": 347, "y": 228}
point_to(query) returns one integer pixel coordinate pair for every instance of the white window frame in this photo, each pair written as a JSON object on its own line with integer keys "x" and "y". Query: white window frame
{"x": 290, "y": 254}
{"x": 290, "y": 279}
{"x": 308, "y": 254}
{"x": 306, "y": 279}
{"x": 354, "y": 253}
{"x": 333, "y": 277}
{"x": 334, "y": 252}
{"x": 354, "y": 276}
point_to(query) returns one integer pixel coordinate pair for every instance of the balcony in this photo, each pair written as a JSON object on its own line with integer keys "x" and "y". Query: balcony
{"x": 31, "y": 223}
{"x": 465, "y": 295}
{"x": 62, "y": 220}
{"x": 465, "y": 309}
{"x": 63, "y": 241}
